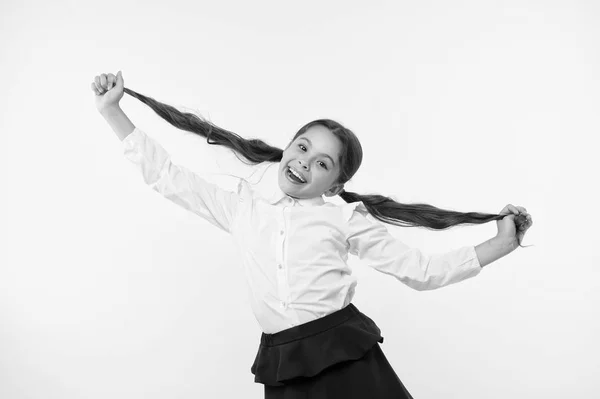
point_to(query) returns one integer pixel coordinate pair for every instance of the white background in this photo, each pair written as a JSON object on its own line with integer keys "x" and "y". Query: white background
{"x": 109, "y": 290}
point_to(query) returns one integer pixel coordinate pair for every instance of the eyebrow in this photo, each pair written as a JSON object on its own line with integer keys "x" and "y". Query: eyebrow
{"x": 309, "y": 142}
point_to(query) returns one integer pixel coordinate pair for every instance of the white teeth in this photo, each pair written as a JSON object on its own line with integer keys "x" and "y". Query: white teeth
{"x": 297, "y": 175}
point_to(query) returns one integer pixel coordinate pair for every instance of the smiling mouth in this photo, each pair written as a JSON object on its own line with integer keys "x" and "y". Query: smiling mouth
{"x": 293, "y": 177}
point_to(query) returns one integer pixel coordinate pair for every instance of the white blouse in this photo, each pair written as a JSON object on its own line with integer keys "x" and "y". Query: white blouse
{"x": 294, "y": 252}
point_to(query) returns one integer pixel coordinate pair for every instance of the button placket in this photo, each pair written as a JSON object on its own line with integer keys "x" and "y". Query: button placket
{"x": 282, "y": 231}
{"x": 282, "y": 289}
{"x": 281, "y": 242}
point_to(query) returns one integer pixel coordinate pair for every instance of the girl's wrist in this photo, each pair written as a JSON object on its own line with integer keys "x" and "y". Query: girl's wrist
{"x": 111, "y": 109}
{"x": 118, "y": 121}
{"x": 492, "y": 250}
{"x": 506, "y": 243}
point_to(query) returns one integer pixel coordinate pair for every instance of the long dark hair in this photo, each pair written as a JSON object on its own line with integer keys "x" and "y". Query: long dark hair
{"x": 256, "y": 151}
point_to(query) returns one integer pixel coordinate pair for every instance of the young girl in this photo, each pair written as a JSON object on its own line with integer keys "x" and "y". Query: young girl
{"x": 315, "y": 342}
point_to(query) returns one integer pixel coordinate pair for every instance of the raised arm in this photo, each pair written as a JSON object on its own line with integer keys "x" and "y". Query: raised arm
{"x": 174, "y": 182}
{"x": 179, "y": 184}
{"x": 369, "y": 239}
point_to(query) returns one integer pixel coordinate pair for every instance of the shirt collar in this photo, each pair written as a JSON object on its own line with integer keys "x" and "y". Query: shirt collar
{"x": 271, "y": 191}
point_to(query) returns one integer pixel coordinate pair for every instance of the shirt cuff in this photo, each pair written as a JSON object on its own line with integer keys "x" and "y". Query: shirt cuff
{"x": 131, "y": 138}
{"x": 475, "y": 258}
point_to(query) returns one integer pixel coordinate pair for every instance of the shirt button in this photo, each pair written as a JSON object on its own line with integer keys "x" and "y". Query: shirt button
{"x": 281, "y": 232}
{"x": 279, "y": 265}
{"x": 283, "y": 304}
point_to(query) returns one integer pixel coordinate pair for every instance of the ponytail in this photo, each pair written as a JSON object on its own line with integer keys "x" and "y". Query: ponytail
{"x": 255, "y": 151}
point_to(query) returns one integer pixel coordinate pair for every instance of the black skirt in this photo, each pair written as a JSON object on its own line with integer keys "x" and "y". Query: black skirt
{"x": 336, "y": 356}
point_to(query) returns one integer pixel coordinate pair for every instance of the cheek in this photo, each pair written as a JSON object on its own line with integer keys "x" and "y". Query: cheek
{"x": 323, "y": 179}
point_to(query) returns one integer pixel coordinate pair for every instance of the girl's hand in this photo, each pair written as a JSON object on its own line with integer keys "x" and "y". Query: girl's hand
{"x": 108, "y": 89}
{"x": 512, "y": 228}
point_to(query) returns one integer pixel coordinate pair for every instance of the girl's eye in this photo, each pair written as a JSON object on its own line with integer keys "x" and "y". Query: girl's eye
{"x": 301, "y": 146}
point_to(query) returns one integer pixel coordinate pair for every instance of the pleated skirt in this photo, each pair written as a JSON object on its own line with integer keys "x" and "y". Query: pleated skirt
{"x": 336, "y": 356}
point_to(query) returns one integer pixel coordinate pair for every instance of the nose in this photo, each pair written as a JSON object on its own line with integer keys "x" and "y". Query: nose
{"x": 303, "y": 164}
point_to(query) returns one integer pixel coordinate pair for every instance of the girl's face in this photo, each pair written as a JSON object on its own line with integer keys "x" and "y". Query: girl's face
{"x": 315, "y": 156}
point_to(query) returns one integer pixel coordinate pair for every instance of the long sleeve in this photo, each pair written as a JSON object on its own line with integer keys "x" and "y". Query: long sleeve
{"x": 178, "y": 184}
{"x": 369, "y": 239}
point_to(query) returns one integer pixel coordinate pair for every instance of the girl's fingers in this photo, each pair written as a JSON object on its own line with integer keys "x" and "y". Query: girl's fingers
{"x": 528, "y": 220}
{"x": 513, "y": 209}
{"x": 111, "y": 81}
{"x": 100, "y": 88}
{"x": 516, "y": 210}
{"x": 98, "y": 85}
{"x": 103, "y": 83}
{"x": 506, "y": 210}
{"x": 527, "y": 223}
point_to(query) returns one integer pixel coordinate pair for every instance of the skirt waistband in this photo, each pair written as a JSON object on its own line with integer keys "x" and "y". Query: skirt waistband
{"x": 311, "y": 328}
{"x": 307, "y": 349}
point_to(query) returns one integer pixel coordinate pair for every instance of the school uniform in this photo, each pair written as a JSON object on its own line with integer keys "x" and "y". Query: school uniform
{"x": 315, "y": 343}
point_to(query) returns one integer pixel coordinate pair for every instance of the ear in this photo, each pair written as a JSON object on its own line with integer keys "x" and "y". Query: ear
{"x": 334, "y": 190}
